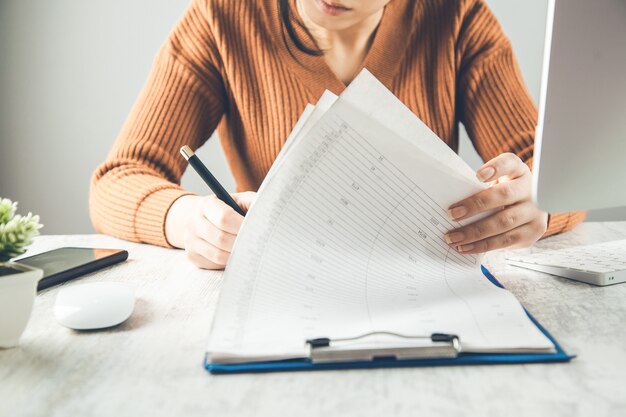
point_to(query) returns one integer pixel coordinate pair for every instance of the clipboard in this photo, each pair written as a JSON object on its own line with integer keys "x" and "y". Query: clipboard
{"x": 448, "y": 354}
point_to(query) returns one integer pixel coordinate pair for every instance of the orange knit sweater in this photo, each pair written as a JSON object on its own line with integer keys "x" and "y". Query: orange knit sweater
{"x": 225, "y": 65}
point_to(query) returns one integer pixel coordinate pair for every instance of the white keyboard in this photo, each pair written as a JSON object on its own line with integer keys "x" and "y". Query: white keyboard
{"x": 600, "y": 264}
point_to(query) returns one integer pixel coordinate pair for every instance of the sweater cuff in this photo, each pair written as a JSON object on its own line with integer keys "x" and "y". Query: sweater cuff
{"x": 151, "y": 214}
{"x": 562, "y": 222}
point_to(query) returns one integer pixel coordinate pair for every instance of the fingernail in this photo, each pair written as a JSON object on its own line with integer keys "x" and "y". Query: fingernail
{"x": 454, "y": 237}
{"x": 485, "y": 174}
{"x": 457, "y": 212}
{"x": 465, "y": 248}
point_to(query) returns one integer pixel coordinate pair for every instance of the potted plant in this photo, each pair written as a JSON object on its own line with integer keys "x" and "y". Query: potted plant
{"x": 18, "y": 283}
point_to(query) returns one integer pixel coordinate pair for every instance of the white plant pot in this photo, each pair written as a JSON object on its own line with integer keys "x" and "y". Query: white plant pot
{"x": 17, "y": 295}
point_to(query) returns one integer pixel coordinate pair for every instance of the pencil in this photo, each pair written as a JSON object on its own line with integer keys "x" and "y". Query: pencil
{"x": 209, "y": 179}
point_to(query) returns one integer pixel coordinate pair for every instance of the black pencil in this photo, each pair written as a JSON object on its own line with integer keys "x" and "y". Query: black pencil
{"x": 209, "y": 179}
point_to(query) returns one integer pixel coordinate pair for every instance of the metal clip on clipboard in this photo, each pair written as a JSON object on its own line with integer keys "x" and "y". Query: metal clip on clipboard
{"x": 350, "y": 349}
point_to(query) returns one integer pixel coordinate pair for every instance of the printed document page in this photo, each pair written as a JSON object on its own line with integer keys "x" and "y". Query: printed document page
{"x": 370, "y": 96}
{"x": 346, "y": 238}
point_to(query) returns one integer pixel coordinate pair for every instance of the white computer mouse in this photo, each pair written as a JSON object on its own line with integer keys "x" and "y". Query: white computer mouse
{"x": 94, "y": 305}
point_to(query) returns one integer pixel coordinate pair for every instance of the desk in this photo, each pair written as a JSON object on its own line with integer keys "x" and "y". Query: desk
{"x": 152, "y": 365}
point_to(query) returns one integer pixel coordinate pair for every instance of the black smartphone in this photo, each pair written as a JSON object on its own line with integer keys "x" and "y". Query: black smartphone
{"x": 63, "y": 264}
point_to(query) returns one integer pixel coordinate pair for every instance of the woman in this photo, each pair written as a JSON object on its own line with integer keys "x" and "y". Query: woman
{"x": 248, "y": 68}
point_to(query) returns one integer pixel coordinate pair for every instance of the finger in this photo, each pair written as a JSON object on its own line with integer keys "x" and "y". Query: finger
{"x": 222, "y": 215}
{"x": 201, "y": 262}
{"x": 499, "y": 195}
{"x": 518, "y": 237}
{"x": 218, "y": 238}
{"x": 500, "y": 222}
{"x": 198, "y": 249}
{"x": 245, "y": 199}
{"x": 205, "y": 230}
{"x": 507, "y": 164}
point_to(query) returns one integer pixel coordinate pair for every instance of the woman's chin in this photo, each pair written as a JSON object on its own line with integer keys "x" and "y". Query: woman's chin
{"x": 332, "y": 8}
{"x": 328, "y": 18}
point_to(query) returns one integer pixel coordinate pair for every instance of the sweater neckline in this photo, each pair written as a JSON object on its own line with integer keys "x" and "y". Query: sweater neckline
{"x": 383, "y": 58}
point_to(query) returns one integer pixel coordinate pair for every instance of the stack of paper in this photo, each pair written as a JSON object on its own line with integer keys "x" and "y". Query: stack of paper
{"x": 346, "y": 238}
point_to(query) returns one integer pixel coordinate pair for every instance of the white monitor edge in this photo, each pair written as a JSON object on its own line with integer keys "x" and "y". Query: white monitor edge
{"x": 540, "y": 202}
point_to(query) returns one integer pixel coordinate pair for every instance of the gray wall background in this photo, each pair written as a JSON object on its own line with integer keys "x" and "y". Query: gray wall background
{"x": 70, "y": 71}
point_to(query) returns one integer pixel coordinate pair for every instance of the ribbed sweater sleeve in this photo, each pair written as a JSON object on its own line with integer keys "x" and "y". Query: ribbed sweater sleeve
{"x": 494, "y": 104}
{"x": 181, "y": 103}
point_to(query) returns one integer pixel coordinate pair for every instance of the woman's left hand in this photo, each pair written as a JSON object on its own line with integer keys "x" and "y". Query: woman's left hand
{"x": 516, "y": 223}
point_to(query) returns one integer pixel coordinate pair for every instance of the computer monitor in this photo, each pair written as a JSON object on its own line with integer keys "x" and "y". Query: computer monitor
{"x": 580, "y": 146}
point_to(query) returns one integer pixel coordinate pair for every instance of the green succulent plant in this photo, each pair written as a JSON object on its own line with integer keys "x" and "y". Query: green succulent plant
{"x": 16, "y": 231}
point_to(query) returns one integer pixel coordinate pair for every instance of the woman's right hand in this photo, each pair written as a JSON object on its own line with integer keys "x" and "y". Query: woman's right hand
{"x": 209, "y": 227}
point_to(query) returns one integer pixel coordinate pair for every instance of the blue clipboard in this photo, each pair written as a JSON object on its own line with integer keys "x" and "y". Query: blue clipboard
{"x": 462, "y": 359}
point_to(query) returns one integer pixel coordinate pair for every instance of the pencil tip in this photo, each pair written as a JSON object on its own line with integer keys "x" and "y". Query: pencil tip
{"x": 186, "y": 152}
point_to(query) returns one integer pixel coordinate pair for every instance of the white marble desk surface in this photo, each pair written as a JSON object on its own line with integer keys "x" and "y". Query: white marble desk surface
{"x": 152, "y": 364}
